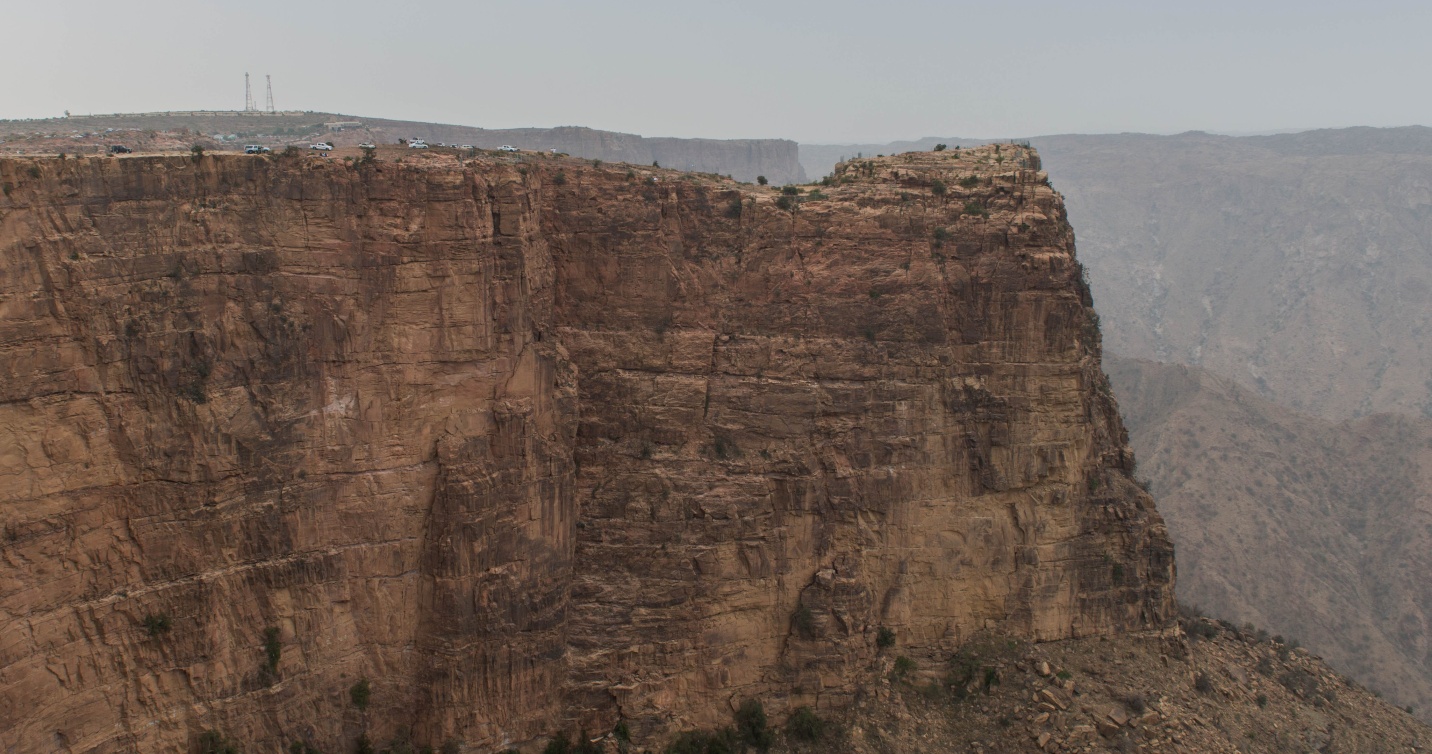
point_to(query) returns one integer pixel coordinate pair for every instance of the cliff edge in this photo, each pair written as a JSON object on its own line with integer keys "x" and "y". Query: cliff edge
{"x": 522, "y": 444}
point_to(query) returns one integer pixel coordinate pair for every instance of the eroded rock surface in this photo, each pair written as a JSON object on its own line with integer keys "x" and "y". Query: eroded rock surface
{"x": 531, "y": 444}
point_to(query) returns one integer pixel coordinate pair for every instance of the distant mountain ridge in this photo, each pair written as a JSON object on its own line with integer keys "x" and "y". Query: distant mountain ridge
{"x": 744, "y": 159}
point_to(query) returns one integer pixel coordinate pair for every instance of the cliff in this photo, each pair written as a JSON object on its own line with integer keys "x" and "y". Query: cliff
{"x": 528, "y": 444}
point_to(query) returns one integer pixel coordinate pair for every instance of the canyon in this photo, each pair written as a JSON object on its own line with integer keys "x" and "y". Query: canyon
{"x": 524, "y": 444}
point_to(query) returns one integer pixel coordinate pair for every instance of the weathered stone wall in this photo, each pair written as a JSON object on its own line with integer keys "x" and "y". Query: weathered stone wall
{"x": 529, "y": 452}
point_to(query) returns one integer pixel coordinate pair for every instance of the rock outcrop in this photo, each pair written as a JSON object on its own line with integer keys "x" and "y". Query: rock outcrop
{"x": 523, "y": 444}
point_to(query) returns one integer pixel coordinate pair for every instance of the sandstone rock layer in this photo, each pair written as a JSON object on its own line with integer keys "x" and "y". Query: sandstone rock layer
{"x": 530, "y": 444}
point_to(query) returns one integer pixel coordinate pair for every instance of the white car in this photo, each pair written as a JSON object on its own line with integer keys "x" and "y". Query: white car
{"x": 417, "y": 145}
{"x": 367, "y": 145}
{"x": 508, "y": 148}
{"x": 465, "y": 146}
{"x": 322, "y": 146}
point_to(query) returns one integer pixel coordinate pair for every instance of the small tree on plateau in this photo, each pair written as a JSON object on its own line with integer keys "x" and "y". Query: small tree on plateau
{"x": 761, "y": 179}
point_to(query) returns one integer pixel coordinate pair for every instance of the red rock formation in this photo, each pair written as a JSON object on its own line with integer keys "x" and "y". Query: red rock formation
{"x": 531, "y": 444}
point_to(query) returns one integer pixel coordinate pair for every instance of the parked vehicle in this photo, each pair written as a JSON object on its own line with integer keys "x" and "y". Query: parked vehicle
{"x": 321, "y": 146}
{"x": 256, "y": 149}
{"x": 367, "y": 145}
{"x": 120, "y": 149}
{"x": 508, "y": 148}
{"x": 465, "y": 146}
{"x": 417, "y": 144}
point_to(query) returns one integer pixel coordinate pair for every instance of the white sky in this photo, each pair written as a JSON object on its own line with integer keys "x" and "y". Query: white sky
{"x": 818, "y": 72}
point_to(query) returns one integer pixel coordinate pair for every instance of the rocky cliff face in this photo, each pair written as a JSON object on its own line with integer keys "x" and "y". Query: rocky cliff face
{"x": 531, "y": 445}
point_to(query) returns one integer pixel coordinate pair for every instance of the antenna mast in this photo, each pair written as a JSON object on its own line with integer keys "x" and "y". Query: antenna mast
{"x": 248, "y": 95}
{"x": 269, "y": 79}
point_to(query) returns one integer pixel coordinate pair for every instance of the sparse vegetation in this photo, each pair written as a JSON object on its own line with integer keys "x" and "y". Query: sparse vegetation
{"x": 752, "y": 726}
{"x": 804, "y": 621}
{"x": 214, "y": 742}
{"x": 360, "y": 693}
{"x": 884, "y": 638}
{"x": 1134, "y": 703}
{"x": 273, "y": 650}
{"x": 805, "y": 725}
{"x": 940, "y": 147}
{"x": 969, "y": 182}
{"x": 723, "y": 741}
{"x": 560, "y": 179}
{"x": 761, "y": 179}
{"x": 197, "y": 152}
{"x": 938, "y": 188}
{"x": 558, "y": 744}
{"x": 725, "y": 448}
{"x": 156, "y": 624}
{"x": 974, "y": 208}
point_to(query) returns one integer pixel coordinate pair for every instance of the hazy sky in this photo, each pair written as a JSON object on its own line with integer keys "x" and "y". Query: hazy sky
{"x": 829, "y": 71}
